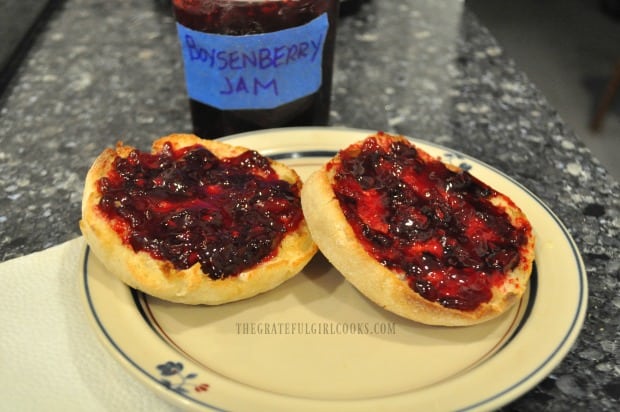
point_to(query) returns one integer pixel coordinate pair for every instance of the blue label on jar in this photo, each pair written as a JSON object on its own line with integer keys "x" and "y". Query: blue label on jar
{"x": 258, "y": 71}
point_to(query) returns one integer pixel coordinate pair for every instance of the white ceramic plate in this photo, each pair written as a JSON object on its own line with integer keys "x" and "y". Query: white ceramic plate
{"x": 316, "y": 344}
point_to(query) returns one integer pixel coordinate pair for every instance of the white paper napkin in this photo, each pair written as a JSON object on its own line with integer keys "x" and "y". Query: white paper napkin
{"x": 50, "y": 357}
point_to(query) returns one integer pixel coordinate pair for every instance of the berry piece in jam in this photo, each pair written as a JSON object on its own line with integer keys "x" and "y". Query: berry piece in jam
{"x": 436, "y": 226}
{"x": 188, "y": 207}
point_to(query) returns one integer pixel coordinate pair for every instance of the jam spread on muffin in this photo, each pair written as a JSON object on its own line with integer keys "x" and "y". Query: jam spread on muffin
{"x": 434, "y": 226}
{"x": 188, "y": 207}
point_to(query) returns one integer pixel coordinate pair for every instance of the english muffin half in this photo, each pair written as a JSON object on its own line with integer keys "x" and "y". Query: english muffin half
{"x": 195, "y": 221}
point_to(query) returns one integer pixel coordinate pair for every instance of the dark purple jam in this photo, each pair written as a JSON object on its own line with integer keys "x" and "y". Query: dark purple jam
{"x": 241, "y": 18}
{"x": 187, "y": 206}
{"x": 434, "y": 225}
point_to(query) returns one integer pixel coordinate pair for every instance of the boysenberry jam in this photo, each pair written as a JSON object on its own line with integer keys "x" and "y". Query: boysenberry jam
{"x": 187, "y": 206}
{"x": 434, "y": 225}
{"x": 252, "y": 17}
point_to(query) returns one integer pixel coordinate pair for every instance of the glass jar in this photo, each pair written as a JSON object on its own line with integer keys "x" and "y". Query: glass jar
{"x": 256, "y": 64}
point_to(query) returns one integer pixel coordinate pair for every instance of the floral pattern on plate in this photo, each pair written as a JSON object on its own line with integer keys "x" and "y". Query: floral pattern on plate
{"x": 174, "y": 379}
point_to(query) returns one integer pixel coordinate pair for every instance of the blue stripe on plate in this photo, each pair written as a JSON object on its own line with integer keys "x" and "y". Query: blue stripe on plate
{"x": 303, "y": 154}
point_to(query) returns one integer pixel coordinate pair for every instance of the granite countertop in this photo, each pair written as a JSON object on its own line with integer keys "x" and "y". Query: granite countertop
{"x": 104, "y": 71}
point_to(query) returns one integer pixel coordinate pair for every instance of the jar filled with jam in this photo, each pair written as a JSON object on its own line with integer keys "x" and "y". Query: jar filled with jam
{"x": 256, "y": 64}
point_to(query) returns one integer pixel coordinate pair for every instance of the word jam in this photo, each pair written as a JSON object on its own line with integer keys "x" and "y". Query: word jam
{"x": 252, "y": 63}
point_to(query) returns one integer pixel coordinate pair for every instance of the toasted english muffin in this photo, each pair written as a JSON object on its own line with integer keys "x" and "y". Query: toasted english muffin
{"x": 195, "y": 221}
{"x": 420, "y": 238}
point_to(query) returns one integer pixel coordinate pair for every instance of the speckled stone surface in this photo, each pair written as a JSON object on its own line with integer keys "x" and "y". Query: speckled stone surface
{"x": 103, "y": 71}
